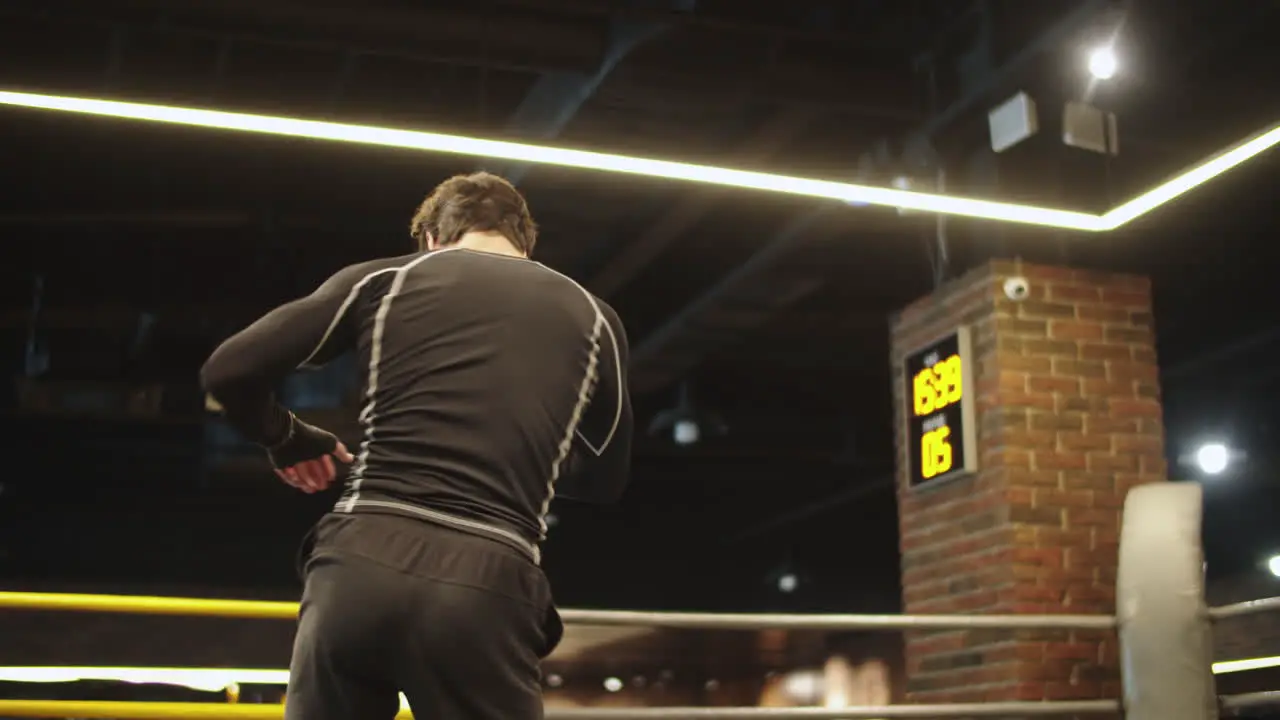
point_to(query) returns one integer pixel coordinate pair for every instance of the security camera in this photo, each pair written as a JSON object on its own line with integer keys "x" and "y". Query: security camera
{"x": 1017, "y": 288}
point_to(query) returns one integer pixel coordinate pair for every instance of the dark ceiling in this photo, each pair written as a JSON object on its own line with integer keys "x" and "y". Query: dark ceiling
{"x": 150, "y": 244}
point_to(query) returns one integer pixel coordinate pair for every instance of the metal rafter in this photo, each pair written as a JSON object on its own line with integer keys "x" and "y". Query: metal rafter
{"x": 681, "y": 335}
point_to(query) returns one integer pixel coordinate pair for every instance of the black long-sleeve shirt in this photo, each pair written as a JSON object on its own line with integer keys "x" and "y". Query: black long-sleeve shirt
{"x": 492, "y": 384}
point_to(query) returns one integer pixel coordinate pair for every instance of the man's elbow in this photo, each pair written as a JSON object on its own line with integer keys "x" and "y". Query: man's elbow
{"x": 614, "y": 483}
{"x": 594, "y": 488}
{"x": 213, "y": 382}
{"x": 594, "y": 496}
{"x": 614, "y": 495}
{"x": 219, "y": 378}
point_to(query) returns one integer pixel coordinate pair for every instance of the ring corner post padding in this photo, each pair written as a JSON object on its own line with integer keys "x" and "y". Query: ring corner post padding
{"x": 1166, "y": 645}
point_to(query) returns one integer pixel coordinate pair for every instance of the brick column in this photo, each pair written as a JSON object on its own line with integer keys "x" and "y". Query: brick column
{"x": 1068, "y": 418}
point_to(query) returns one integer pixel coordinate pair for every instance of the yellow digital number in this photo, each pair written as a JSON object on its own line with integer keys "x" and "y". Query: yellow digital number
{"x": 935, "y": 452}
{"x": 934, "y": 388}
{"x": 950, "y": 384}
{"x": 922, "y": 392}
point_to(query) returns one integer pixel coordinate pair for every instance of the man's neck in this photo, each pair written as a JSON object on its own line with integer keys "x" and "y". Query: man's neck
{"x": 488, "y": 242}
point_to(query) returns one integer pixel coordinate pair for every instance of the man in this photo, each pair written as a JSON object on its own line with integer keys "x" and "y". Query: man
{"x": 492, "y": 384}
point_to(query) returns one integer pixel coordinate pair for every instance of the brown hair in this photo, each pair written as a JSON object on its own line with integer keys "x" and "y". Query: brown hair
{"x": 479, "y": 202}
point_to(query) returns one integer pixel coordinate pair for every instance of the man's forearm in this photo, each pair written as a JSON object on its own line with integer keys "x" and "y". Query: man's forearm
{"x": 244, "y": 371}
{"x": 249, "y": 407}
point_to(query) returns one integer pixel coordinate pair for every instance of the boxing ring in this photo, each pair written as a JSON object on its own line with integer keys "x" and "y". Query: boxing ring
{"x": 1162, "y": 623}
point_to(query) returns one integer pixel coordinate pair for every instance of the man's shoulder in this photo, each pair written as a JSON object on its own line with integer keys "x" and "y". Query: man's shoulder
{"x": 362, "y": 272}
{"x": 605, "y": 308}
{"x": 381, "y": 264}
{"x": 579, "y": 288}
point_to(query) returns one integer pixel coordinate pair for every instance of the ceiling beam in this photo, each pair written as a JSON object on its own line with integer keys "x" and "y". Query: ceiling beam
{"x": 520, "y": 39}
{"x": 877, "y": 32}
{"x": 556, "y": 97}
{"x": 632, "y": 258}
{"x": 680, "y": 343}
{"x": 527, "y": 41}
{"x": 113, "y": 318}
{"x": 856, "y": 492}
{"x": 160, "y": 219}
{"x": 709, "y": 323}
{"x": 144, "y": 219}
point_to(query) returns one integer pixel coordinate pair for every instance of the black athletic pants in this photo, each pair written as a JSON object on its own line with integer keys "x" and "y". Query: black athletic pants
{"x": 458, "y": 623}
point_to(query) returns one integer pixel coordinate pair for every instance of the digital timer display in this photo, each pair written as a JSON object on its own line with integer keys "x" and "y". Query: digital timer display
{"x": 941, "y": 438}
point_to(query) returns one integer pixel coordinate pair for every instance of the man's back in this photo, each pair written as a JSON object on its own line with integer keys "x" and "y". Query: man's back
{"x": 492, "y": 384}
{"x": 485, "y": 374}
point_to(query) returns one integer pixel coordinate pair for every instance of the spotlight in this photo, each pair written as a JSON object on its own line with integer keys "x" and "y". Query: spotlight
{"x": 1213, "y": 458}
{"x": 685, "y": 423}
{"x": 612, "y": 684}
{"x": 686, "y": 432}
{"x": 1103, "y": 63}
{"x": 788, "y": 582}
{"x": 1274, "y": 565}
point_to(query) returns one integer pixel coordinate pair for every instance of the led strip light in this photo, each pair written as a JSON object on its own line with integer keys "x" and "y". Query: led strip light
{"x": 540, "y": 154}
{"x": 220, "y": 679}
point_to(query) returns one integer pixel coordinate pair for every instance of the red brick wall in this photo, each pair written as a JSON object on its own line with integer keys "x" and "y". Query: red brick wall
{"x": 1069, "y": 418}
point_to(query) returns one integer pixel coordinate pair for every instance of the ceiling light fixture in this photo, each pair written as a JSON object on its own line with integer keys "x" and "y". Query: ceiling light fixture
{"x": 1103, "y": 63}
{"x": 743, "y": 179}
